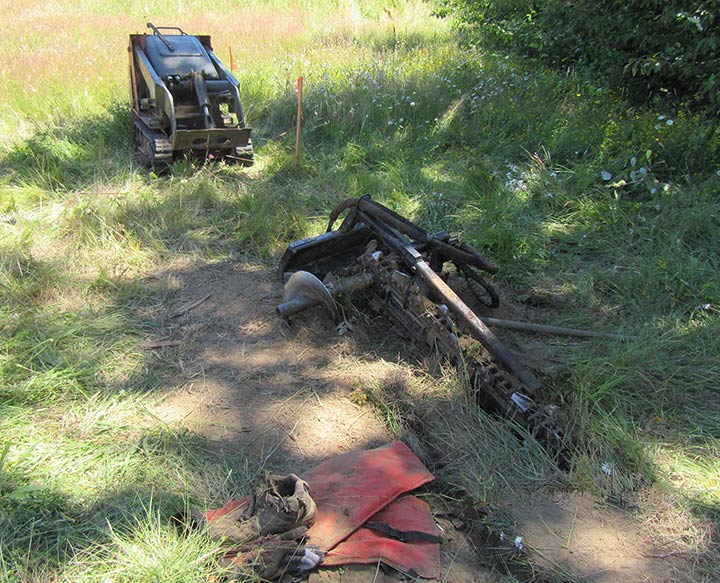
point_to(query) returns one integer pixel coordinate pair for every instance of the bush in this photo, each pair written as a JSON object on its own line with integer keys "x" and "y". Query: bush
{"x": 648, "y": 47}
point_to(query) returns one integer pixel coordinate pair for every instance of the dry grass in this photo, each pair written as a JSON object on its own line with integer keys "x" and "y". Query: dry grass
{"x": 41, "y": 38}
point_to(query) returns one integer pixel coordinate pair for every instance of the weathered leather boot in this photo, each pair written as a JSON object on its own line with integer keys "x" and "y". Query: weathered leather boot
{"x": 279, "y": 504}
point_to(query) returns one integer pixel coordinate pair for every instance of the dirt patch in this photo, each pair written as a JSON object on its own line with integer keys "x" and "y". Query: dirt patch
{"x": 251, "y": 382}
{"x": 574, "y": 535}
{"x": 288, "y": 396}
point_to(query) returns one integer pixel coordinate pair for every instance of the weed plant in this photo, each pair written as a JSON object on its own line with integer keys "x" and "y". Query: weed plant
{"x": 609, "y": 211}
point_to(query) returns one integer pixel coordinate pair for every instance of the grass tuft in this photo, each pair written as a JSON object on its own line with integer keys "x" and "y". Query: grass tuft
{"x": 149, "y": 550}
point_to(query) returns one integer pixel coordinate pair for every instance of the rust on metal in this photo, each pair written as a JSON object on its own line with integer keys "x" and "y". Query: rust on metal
{"x": 478, "y": 329}
{"x": 302, "y": 291}
{"x": 307, "y": 295}
{"x": 401, "y": 270}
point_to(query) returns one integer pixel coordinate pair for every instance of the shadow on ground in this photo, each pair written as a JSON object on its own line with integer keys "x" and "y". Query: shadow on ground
{"x": 232, "y": 384}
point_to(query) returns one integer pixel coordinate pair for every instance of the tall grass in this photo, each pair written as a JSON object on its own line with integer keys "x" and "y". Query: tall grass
{"x": 149, "y": 550}
{"x": 603, "y": 215}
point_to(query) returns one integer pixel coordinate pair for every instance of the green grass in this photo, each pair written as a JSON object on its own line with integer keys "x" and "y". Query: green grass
{"x": 608, "y": 211}
{"x": 149, "y": 550}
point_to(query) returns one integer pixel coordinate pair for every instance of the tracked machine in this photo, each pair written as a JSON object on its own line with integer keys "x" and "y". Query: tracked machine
{"x": 184, "y": 100}
{"x": 415, "y": 279}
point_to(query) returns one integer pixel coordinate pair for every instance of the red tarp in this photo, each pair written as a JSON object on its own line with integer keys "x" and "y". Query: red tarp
{"x": 211, "y": 515}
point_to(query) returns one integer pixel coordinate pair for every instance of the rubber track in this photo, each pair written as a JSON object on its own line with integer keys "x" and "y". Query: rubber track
{"x": 162, "y": 146}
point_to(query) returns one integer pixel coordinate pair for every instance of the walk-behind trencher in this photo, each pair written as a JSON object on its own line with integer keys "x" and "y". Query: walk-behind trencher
{"x": 184, "y": 100}
{"x": 408, "y": 274}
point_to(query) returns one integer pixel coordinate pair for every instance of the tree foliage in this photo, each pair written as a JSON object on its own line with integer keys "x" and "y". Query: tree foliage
{"x": 648, "y": 47}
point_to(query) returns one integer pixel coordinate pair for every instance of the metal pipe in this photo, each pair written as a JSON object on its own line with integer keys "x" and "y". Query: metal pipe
{"x": 161, "y": 36}
{"x": 547, "y": 329}
{"x": 463, "y": 252}
{"x": 477, "y": 328}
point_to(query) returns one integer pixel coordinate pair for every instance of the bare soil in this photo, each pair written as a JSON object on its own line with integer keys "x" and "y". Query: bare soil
{"x": 281, "y": 393}
{"x": 565, "y": 532}
{"x": 289, "y": 396}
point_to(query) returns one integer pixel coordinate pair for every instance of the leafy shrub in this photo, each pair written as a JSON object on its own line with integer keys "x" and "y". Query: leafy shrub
{"x": 650, "y": 47}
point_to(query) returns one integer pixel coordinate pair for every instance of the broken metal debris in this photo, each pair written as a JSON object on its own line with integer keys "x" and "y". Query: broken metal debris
{"x": 402, "y": 270}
